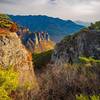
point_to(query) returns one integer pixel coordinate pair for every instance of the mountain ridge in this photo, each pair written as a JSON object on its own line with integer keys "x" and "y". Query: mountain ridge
{"x": 57, "y": 28}
{"x": 83, "y": 23}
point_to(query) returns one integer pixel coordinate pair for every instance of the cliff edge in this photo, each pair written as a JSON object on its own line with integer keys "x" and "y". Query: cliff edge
{"x": 13, "y": 53}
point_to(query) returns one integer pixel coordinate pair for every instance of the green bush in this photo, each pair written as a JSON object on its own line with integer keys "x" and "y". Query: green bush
{"x": 4, "y": 16}
{"x": 4, "y": 95}
{"x": 85, "y": 97}
{"x": 95, "y": 26}
{"x": 8, "y": 82}
{"x": 88, "y": 60}
{"x": 82, "y": 97}
{"x": 5, "y": 21}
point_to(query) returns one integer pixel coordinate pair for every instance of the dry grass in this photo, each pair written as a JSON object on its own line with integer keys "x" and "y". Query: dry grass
{"x": 66, "y": 81}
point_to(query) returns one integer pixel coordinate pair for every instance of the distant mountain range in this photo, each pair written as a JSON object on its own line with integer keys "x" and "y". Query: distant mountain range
{"x": 57, "y": 28}
{"x": 83, "y": 23}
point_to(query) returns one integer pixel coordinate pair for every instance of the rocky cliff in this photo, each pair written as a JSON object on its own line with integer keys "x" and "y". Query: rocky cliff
{"x": 13, "y": 53}
{"x": 44, "y": 46}
{"x": 86, "y": 43}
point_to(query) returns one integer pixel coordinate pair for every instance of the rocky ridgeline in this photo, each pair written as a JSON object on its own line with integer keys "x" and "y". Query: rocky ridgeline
{"x": 86, "y": 43}
{"x": 35, "y": 41}
{"x": 13, "y": 53}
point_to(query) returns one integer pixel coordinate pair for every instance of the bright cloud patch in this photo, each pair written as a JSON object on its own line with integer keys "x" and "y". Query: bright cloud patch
{"x": 85, "y": 10}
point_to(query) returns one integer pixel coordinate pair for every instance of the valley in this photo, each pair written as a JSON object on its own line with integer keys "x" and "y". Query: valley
{"x": 35, "y": 66}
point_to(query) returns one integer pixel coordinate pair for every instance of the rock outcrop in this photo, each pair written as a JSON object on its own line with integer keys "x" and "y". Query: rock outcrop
{"x": 13, "y": 53}
{"x": 86, "y": 43}
{"x": 44, "y": 46}
{"x": 35, "y": 42}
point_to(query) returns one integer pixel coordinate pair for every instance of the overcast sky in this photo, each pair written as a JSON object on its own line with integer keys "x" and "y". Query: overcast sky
{"x": 84, "y": 10}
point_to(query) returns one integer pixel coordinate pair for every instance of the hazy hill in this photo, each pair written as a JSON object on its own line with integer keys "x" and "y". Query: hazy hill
{"x": 83, "y": 23}
{"x": 57, "y": 28}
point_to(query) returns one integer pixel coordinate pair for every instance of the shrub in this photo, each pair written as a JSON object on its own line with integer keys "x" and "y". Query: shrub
{"x": 88, "y": 60}
{"x": 66, "y": 81}
{"x": 95, "y": 26}
{"x": 13, "y": 27}
{"x": 4, "y": 16}
{"x": 5, "y": 21}
{"x": 87, "y": 97}
{"x": 3, "y": 94}
{"x": 8, "y": 82}
{"x": 82, "y": 97}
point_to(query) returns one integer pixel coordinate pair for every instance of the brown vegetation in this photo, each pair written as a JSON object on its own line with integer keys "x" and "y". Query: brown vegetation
{"x": 13, "y": 28}
{"x": 66, "y": 81}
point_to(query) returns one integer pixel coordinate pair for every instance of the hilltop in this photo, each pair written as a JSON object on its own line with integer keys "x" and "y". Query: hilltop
{"x": 7, "y": 24}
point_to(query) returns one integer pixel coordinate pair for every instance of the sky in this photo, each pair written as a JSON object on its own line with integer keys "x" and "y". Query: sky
{"x": 77, "y": 10}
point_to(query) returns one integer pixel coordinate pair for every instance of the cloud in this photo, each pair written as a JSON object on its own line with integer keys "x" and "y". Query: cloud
{"x": 85, "y": 10}
{"x": 6, "y": 2}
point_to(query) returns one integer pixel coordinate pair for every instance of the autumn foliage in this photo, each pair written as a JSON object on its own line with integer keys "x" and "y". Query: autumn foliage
{"x": 13, "y": 28}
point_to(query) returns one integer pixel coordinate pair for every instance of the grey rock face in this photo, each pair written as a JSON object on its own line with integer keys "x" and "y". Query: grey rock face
{"x": 85, "y": 43}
